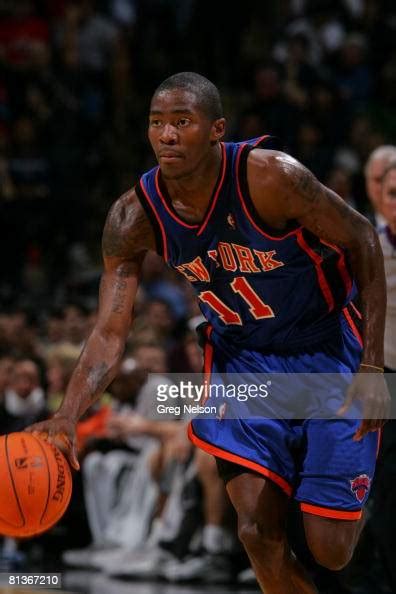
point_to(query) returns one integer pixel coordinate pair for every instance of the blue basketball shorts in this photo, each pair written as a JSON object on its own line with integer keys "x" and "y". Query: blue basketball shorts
{"x": 314, "y": 460}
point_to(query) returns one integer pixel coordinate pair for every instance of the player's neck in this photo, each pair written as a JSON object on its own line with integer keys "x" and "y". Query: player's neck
{"x": 194, "y": 189}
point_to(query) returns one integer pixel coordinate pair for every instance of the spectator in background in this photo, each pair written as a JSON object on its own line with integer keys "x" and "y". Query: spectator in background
{"x": 299, "y": 74}
{"x": 75, "y": 324}
{"x": 19, "y": 333}
{"x": 353, "y": 75}
{"x": 60, "y": 361}
{"x": 53, "y": 331}
{"x": 167, "y": 554}
{"x": 116, "y": 469}
{"x": 249, "y": 125}
{"x": 388, "y": 242}
{"x": 311, "y": 150}
{"x": 378, "y": 534}
{"x": 163, "y": 284}
{"x": 376, "y": 164}
{"x": 158, "y": 315}
{"x": 29, "y": 167}
{"x": 269, "y": 103}
{"x": 383, "y": 521}
{"x": 186, "y": 357}
{"x": 339, "y": 180}
{"x": 19, "y": 31}
{"x": 6, "y": 368}
{"x": 24, "y": 399}
{"x": 93, "y": 34}
{"x": 324, "y": 109}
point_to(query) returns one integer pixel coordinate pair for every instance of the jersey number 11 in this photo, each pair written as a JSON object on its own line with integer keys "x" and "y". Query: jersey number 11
{"x": 258, "y": 309}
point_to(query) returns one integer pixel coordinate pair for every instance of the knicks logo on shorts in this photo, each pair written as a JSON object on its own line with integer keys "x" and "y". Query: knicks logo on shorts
{"x": 360, "y": 486}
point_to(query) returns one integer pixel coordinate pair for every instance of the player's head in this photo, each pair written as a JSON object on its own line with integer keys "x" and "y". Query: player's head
{"x": 186, "y": 122}
{"x": 376, "y": 164}
{"x": 389, "y": 193}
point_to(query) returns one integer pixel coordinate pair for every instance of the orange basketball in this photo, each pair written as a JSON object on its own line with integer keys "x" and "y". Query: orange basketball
{"x": 35, "y": 485}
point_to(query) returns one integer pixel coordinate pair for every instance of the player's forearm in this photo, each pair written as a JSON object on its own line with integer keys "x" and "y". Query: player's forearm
{"x": 96, "y": 368}
{"x": 368, "y": 267}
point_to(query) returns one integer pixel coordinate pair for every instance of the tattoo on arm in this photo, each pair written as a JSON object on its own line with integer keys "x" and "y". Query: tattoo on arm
{"x": 127, "y": 232}
{"x": 120, "y": 293}
{"x": 120, "y": 289}
{"x": 305, "y": 184}
{"x": 98, "y": 377}
{"x": 319, "y": 209}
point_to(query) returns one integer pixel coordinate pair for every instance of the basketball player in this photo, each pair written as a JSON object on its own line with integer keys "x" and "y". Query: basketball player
{"x": 268, "y": 249}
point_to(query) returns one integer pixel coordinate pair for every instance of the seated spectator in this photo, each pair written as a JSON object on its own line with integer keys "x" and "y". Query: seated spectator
{"x": 60, "y": 361}
{"x": 158, "y": 315}
{"x": 24, "y": 399}
{"x": 6, "y": 369}
{"x": 186, "y": 357}
{"x": 179, "y": 468}
{"x": 115, "y": 468}
{"x": 75, "y": 319}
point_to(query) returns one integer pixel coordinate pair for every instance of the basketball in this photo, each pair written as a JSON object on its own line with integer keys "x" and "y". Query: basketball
{"x": 35, "y": 485}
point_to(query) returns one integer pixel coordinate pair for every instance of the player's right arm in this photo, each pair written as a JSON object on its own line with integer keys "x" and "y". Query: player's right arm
{"x": 127, "y": 237}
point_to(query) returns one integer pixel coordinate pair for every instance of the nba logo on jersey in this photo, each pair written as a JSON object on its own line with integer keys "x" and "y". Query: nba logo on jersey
{"x": 231, "y": 221}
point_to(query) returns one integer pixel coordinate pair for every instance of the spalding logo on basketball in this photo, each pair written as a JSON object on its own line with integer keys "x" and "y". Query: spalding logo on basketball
{"x": 35, "y": 485}
{"x": 360, "y": 486}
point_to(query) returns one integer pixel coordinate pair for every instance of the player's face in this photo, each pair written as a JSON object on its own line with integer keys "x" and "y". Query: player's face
{"x": 181, "y": 135}
{"x": 374, "y": 182}
{"x": 389, "y": 197}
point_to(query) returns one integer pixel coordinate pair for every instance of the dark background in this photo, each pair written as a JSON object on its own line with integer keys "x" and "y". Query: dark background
{"x": 75, "y": 84}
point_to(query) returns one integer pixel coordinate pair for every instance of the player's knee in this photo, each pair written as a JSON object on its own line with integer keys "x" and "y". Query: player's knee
{"x": 258, "y": 541}
{"x": 334, "y": 554}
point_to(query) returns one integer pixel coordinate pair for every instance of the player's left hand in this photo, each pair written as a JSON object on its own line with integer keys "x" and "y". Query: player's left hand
{"x": 370, "y": 388}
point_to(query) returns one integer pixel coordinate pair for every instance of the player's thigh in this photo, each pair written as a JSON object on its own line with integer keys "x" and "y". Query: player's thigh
{"x": 331, "y": 541}
{"x": 261, "y": 507}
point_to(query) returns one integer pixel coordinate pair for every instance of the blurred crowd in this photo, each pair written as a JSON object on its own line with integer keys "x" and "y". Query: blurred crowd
{"x": 76, "y": 78}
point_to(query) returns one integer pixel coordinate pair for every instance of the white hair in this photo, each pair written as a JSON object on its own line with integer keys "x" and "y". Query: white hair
{"x": 385, "y": 152}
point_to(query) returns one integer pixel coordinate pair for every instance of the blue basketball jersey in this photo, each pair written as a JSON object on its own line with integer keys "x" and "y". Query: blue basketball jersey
{"x": 258, "y": 287}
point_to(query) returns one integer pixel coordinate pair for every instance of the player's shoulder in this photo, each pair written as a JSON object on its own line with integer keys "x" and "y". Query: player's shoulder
{"x": 278, "y": 161}
{"x": 127, "y": 223}
{"x": 124, "y": 209}
{"x": 268, "y": 167}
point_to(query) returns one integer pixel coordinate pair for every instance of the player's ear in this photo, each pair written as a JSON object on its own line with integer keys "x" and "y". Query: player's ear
{"x": 218, "y": 130}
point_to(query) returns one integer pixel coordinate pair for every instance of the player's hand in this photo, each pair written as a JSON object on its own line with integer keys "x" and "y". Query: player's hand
{"x": 369, "y": 387}
{"x": 61, "y": 432}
